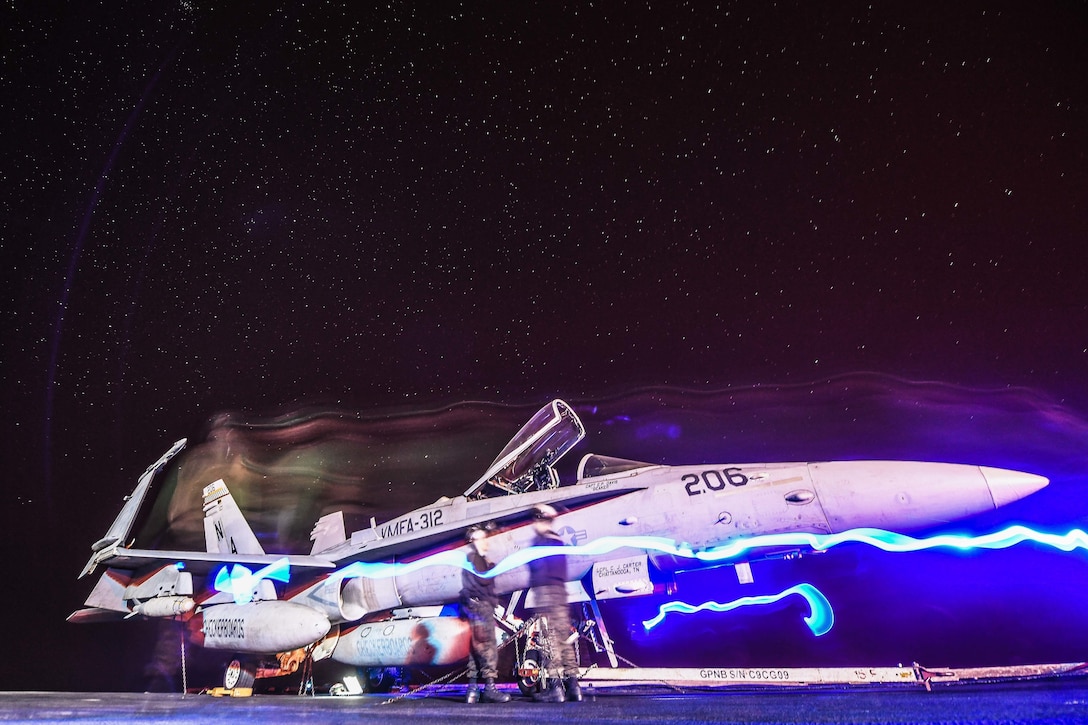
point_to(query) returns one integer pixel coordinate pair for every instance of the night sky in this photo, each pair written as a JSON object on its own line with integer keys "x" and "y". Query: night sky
{"x": 723, "y": 232}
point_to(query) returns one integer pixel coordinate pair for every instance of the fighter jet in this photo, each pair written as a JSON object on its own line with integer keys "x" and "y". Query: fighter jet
{"x": 380, "y": 596}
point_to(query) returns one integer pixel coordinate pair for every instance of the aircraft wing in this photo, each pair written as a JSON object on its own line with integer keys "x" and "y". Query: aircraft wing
{"x": 203, "y": 561}
{"x": 122, "y": 525}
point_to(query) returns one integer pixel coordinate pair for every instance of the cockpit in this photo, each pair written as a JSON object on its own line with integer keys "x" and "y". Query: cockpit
{"x": 594, "y": 466}
{"x": 525, "y": 464}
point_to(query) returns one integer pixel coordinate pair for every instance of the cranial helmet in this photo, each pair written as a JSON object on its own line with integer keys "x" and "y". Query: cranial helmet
{"x": 479, "y": 531}
{"x": 544, "y": 512}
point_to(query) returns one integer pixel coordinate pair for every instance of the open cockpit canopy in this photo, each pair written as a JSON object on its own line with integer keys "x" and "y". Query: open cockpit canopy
{"x": 526, "y": 461}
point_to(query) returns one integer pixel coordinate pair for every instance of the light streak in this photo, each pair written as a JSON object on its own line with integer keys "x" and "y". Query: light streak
{"x": 878, "y": 538}
{"x": 820, "y": 619}
{"x": 893, "y": 542}
{"x": 241, "y": 582}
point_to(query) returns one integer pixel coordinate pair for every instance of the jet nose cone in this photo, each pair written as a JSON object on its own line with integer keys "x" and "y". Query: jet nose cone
{"x": 1007, "y": 486}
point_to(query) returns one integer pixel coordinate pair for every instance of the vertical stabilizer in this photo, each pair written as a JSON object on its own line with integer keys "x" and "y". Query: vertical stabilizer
{"x": 225, "y": 529}
{"x": 329, "y": 531}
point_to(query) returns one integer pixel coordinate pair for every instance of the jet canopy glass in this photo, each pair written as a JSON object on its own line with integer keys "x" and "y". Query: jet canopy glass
{"x": 593, "y": 466}
{"x": 526, "y": 462}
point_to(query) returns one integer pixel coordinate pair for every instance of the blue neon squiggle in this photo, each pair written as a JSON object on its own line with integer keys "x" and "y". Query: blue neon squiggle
{"x": 820, "y": 619}
{"x": 893, "y": 542}
{"x": 382, "y": 570}
{"x": 879, "y": 538}
{"x": 241, "y": 582}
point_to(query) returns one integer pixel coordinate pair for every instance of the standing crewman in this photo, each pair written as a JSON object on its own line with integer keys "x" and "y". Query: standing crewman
{"x": 478, "y": 602}
{"x": 548, "y": 579}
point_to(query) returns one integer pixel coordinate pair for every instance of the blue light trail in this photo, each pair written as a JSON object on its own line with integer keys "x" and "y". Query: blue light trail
{"x": 820, "y": 620}
{"x": 878, "y": 538}
{"x": 241, "y": 582}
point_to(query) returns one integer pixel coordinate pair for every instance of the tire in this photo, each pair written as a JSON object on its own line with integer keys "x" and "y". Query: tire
{"x": 239, "y": 673}
{"x": 528, "y": 684}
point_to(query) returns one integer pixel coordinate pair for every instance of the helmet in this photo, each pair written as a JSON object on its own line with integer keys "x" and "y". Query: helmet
{"x": 544, "y": 512}
{"x": 479, "y": 531}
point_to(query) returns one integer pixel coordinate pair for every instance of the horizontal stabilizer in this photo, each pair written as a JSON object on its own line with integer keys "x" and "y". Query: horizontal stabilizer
{"x": 109, "y": 592}
{"x": 93, "y": 614}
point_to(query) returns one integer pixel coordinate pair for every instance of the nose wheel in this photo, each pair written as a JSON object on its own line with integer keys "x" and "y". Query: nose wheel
{"x": 528, "y": 672}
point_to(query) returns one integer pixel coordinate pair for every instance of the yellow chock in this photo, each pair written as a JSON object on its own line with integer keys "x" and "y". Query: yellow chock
{"x": 236, "y": 692}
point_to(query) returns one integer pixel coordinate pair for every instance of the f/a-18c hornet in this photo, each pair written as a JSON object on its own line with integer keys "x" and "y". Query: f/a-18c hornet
{"x": 376, "y": 598}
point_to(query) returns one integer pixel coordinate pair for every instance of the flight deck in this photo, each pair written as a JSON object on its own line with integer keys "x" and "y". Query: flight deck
{"x": 1060, "y": 701}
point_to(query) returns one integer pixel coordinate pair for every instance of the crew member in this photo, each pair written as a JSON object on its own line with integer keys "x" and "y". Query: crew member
{"x": 478, "y": 602}
{"x": 549, "y": 583}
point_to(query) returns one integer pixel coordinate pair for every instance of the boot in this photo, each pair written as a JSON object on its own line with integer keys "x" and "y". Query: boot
{"x": 553, "y": 692}
{"x": 472, "y": 694}
{"x": 492, "y": 693}
{"x": 574, "y": 690}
